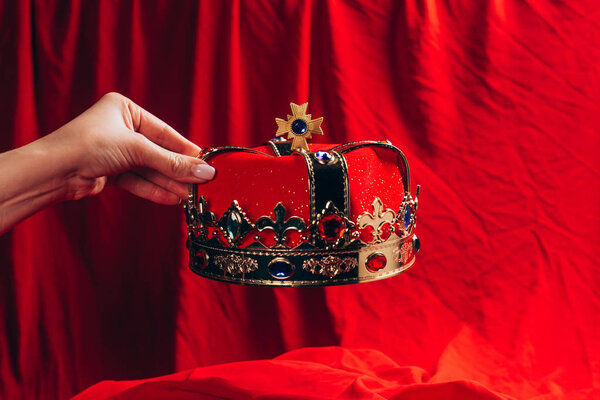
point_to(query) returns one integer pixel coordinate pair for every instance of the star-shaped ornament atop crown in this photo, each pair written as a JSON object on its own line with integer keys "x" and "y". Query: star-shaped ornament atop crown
{"x": 299, "y": 126}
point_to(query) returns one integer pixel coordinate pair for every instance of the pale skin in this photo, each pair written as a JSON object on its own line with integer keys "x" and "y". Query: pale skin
{"x": 113, "y": 142}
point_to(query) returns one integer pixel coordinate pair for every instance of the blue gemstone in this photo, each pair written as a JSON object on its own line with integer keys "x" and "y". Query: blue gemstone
{"x": 407, "y": 215}
{"x": 281, "y": 269}
{"x": 299, "y": 126}
{"x": 323, "y": 156}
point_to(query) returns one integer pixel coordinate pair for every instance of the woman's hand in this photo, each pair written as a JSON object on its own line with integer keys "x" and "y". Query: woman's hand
{"x": 117, "y": 141}
{"x": 114, "y": 141}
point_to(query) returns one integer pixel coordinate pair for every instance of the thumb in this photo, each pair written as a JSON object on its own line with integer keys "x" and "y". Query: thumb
{"x": 176, "y": 166}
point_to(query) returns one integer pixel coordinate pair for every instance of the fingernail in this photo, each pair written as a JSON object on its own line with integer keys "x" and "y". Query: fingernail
{"x": 203, "y": 171}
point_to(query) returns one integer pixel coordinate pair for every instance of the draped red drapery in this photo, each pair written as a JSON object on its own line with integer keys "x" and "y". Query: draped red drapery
{"x": 494, "y": 103}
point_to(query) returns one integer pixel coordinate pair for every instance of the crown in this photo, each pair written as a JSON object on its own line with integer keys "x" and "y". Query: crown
{"x": 289, "y": 213}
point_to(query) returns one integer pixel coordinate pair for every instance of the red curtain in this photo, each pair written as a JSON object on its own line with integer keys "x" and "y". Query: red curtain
{"x": 496, "y": 105}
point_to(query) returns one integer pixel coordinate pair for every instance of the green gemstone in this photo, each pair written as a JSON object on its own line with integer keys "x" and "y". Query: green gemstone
{"x": 234, "y": 225}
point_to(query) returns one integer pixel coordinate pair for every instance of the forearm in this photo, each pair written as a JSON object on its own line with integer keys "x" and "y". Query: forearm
{"x": 32, "y": 177}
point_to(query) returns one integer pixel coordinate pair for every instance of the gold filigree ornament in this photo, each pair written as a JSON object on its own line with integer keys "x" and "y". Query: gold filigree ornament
{"x": 299, "y": 126}
{"x": 233, "y": 264}
{"x": 330, "y": 266}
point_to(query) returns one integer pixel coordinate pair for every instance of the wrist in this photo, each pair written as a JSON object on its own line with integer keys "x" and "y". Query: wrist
{"x": 70, "y": 175}
{"x": 32, "y": 178}
{"x": 48, "y": 165}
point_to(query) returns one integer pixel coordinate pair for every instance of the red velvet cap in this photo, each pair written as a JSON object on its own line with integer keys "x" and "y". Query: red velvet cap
{"x": 316, "y": 215}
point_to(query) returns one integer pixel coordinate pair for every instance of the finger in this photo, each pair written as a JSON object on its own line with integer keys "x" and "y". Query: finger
{"x": 171, "y": 164}
{"x": 146, "y": 189}
{"x": 159, "y": 132}
{"x": 180, "y": 189}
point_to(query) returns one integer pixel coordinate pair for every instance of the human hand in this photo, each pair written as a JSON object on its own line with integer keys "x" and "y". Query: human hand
{"x": 116, "y": 141}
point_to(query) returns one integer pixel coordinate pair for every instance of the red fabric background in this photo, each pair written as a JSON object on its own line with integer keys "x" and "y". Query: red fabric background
{"x": 495, "y": 104}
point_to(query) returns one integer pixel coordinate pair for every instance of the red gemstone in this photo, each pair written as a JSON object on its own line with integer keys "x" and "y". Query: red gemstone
{"x": 331, "y": 228}
{"x": 375, "y": 262}
{"x": 366, "y": 235}
{"x": 386, "y": 231}
{"x": 201, "y": 259}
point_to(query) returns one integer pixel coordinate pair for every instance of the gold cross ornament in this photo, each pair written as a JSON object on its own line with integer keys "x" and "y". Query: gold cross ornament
{"x": 299, "y": 126}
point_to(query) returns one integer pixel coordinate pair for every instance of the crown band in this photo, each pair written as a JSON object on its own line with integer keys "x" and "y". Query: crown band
{"x": 306, "y": 268}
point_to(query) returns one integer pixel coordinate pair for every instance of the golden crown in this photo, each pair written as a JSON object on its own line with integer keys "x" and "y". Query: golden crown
{"x": 343, "y": 230}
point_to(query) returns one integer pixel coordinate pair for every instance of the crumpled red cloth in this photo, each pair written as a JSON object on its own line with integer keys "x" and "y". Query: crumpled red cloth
{"x": 494, "y": 103}
{"x": 309, "y": 373}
